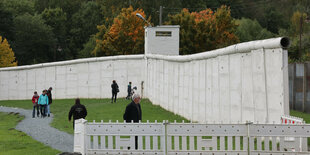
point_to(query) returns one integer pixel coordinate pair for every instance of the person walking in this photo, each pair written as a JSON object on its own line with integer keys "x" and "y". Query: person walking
{"x": 50, "y": 100}
{"x": 78, "y": 111}
{"x": 115, "y": 90}
{"x": 35, "y": 99}
{"x": 43, "y": 102}
{"x": 128, "y": 91}
{"x": 133, "y": 113}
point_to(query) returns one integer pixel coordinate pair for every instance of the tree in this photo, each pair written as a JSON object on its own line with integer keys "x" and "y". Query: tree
{"x": 56, "y": 19}
{"x": 273, "y": 20}
{"x": 125, "y": 36}
{"x": 204, "y": 30}
{"x": 188, "y": 30}
{"x": 7, "y": 58}
{"x": 70, "y": 47}
{"x": 88, "y": 47}
{"x": 298, "y": 24}
{"x": 35, "y": 41}
{"x": 84, "y": 24}
{"x": 299, "y": 36}
{"x": 6, "y": 28}
{"x": 225, "y": 28}
{"x": 249, "y": 30}
{"x": 19, "y": 7}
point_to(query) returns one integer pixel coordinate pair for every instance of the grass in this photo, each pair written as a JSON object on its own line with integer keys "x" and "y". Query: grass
{"x": 98, "y": 109}
{"x": 305, "y": 116}
{"x": 25, "y": 104}
{"x": 102, "y": 109}
{"x": 14, "y": 142}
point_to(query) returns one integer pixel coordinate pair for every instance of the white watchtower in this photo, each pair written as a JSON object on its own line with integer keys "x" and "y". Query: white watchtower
{"x": 162, "y": 40}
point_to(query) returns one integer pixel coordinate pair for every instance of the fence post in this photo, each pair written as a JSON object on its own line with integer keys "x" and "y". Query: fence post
{"x": 80, "y": 136}
{"x": 294, "y": 87}
{"x": 304, "y": 85}
{"x": 248, "y": 123}
{"x": 164, "y": 141}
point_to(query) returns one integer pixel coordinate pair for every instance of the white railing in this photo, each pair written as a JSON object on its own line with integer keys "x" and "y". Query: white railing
{"x": 189, "y": 138}
{"x": 286, "y": 119}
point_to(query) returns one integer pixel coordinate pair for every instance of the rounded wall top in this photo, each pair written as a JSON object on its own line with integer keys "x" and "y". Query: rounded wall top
{"x": 281, "y": 42}
{"x": 285, "y": 42}
{"x": 76, "y": 61}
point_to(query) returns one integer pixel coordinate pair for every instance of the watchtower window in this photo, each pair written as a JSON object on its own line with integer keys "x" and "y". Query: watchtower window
{"x": 163, "y": 33}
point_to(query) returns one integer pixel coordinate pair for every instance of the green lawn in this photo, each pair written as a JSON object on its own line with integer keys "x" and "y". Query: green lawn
{"x": 305, "y": 116}
{"x": 98, "y": 109}
{"x": 102, "y": 109}
{"x": 14, "y": 142}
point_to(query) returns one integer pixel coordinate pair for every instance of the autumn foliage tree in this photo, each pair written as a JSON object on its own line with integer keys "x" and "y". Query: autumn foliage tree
{"x": 7, "y": 58}
{"x": 205, "y": 30}
{"x": 124, "y": 36}
{"x": 300, "y": 41}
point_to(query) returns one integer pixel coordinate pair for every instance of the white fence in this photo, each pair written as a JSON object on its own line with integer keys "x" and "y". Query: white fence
{"x": 291, "y": 120}
{"x": 189, "y": 138}
{"x": 239, "y": 83}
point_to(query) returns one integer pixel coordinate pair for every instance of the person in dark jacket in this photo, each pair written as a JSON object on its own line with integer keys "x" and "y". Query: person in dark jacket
{"x": 115, "y": 90}
{"x": 133, "y": 113}
{"x": 133, "y": 110}
{"x": 50, "y": 100}
{"x": 78, "y": 111}
{"x": 128, "y": 91}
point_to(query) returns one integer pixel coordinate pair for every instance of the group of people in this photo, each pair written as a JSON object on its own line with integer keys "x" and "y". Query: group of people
{"x": 42, "y": 103}
{"x": 115, "y": 90}
{"x": 133, "y": 110}
{"x": 132, "y": 113}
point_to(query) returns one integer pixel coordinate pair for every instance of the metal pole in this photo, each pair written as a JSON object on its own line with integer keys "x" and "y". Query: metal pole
{"x": 300, "y": 32}
{"x": 55, "y": 54}
{"x": 248, "y": 123}
{"x": 304, "y": 88}
{"x": 160, "y": 14}
{"x": 294, "y": 89}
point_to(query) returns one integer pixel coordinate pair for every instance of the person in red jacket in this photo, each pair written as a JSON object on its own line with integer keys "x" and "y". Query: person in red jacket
{"x": 35, "y": 99}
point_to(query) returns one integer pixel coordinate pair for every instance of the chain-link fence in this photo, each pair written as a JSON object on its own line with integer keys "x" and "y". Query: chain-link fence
{"x": 299, "y": 86}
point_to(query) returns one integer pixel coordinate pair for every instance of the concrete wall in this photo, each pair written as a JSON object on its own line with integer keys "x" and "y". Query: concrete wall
{"x": 247, "y": 81}
{"x": 84, "y": 78}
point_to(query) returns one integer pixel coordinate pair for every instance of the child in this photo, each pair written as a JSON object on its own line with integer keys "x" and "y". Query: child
{"x": 35, "y": 99}
{"x": 128, "y": 91}
{"x": 43, "y": 102}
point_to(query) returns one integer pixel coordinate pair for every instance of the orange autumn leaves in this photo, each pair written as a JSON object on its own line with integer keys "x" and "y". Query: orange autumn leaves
{"x": 199, "y": 31}
{"x": 125, "y": 36}
{"x": 205, "y": 30}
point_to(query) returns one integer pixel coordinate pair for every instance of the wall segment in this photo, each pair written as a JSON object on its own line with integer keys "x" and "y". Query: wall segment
{"x": 242, "y": 82}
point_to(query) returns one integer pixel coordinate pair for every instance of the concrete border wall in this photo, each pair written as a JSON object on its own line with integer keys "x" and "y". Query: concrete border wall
{"x": 84, "y": 78}
{"x": 242, "y": 82}
{"x": 239, "y": 83}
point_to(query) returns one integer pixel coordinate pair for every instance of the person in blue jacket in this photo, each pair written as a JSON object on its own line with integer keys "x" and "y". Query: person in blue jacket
{"x": 43, "y": 102}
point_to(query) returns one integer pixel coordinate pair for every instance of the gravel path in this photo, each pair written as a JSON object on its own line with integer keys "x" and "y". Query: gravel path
{"x": 39, "y": 129}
